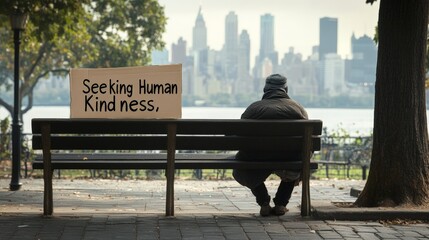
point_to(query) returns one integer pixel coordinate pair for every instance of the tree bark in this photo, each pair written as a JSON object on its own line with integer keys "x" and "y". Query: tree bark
{"x": 399, "y": 173}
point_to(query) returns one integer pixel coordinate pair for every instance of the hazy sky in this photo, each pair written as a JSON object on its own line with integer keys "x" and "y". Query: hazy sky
{"x": 296, "y": 22}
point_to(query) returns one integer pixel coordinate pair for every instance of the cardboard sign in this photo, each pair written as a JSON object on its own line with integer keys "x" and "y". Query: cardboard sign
{"x": 130, "y": 92}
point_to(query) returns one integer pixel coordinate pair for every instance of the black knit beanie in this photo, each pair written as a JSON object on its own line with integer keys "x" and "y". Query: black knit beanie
{"x": 275, "y": 81}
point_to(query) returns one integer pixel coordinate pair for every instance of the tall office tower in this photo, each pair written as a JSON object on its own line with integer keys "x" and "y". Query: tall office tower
{"x": 364, "y": 48}
{"x": 267, "y": 37}
{"x": 231, "y": 46}
{"x": 333, "y": 74}
{"x": 244, "y": 55}
{"x": 315, "y": 53}
{"x": 244, "y": 81}
{"x": 328, "y": 35}
{"x": 362, "y": 67}
{"x": 178, "y": 52}
{"x": 266, "y": 49}
{"x": 199, "y": 33}
{"x": 199, "y": 50}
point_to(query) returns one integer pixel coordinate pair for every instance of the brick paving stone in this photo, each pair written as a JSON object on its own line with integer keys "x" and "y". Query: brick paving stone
{"x": 368, "y": 236}
{"x": 386, "y": 236}
{"x": 210, "y": 229}
{"x": 235, "y": 236}
{"x": 422, "y": 231}
{"x": 363, "y": 229}
{"x": 329, "y": 234}
{"x": 411, "y": 233}
{"x": 386, "y": 230}
{"x": 342, "y": 228}
{"x": 348, "y": 233}
{"x": 296, "y": 225}
{"x": 258, "y": 236}
{"x": 274, "y": 228}
{"x": 254, "y": 229}
{"x": 319, "y": 227}
{"x": 232, "y": 230}
{"x": 303, "y": 235}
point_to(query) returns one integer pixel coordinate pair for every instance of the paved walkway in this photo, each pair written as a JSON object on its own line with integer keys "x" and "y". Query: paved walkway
{"x": 134, "y": 209}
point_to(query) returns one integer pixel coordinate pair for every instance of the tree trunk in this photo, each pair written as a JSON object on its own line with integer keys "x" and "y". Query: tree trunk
{"x": 399, "y": 172}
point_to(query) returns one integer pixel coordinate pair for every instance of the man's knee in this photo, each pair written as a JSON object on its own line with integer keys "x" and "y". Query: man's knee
{"x": 288, "y": 176}
{"x": 250, "y": 178}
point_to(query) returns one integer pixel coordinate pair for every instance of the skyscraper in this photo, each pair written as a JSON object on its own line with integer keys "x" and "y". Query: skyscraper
{"x": 362, "y": 67}
{"x": 333, "y": 75}
{"x": 364, "y": 48}
{"x": 200, "y": 49}
{"x": 231, "y": 46}
{"x": 199, "y": 40}
{"x": 244, "y": 55}
{"x": 267, "y": 36}
{"x": 178, "y": 51}
{"x": 328, "y": 35}
{"x": 266, "y": 50}
{"x": 244, "y": 81}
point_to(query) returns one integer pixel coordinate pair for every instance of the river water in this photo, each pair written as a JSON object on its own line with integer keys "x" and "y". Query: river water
{"x": 355, "y": 121}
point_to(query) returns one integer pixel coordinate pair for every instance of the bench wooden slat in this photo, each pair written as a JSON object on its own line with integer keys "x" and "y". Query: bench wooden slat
{"x": 188, "y": 126}
{"x": 158, "y": 161}
{"x": 179, "y": 164}
{"x": 136, "y": 156}
{"x": 104, "y": 142}
{"x": 267, "y": 143}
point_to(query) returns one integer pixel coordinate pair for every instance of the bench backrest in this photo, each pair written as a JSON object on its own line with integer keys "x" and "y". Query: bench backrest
{"x": 191, "y": 134}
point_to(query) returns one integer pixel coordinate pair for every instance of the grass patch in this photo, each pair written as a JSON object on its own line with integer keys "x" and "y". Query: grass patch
{"x": 338, "y": 172}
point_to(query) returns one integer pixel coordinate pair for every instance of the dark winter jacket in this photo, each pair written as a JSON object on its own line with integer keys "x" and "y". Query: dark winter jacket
{"x": 275, "y": 104}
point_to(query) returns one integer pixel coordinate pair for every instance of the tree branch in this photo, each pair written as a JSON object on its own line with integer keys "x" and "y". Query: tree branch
{"x": 42, "y": 50}
{"x": 6, "y": 105}
{"x": 30, "y": 103}
{"x": 29, "y": 92}
{"x": 42, "y": 75}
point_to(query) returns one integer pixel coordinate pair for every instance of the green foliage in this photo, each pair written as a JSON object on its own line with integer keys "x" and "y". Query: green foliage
{"x": 5, "y": 139}
{"x": 376, "y": 35}
{"x": 48, "y": 18}
{"x": 67, "y": 34}
{"x": 127, "y": 30}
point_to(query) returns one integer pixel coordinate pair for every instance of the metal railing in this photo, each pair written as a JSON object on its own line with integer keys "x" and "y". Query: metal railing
{"x": 343, "y": 157}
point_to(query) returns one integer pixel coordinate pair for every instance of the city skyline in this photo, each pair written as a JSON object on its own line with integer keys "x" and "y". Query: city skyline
{"x": 290, "y": 19}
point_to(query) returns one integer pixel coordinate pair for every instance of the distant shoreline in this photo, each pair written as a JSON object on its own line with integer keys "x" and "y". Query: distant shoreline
{"x": 188, "y": 106}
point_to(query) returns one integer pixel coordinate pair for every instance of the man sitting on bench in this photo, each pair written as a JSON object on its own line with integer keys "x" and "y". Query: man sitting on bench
{"x": 275, "y": 104}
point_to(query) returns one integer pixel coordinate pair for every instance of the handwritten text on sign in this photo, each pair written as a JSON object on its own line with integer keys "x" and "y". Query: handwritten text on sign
{"x": 136, "y": 92}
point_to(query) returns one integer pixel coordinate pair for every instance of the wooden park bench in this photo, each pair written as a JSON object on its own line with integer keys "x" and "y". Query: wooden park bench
{"x": 156, "y": 144}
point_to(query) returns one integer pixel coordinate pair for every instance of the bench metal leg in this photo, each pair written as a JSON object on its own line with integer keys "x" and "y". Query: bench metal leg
{"x": 306, "y": 155}
{"x": 171, "y": 149}
{"x": 48, "y": 207}
{"x": 305, "y": 201}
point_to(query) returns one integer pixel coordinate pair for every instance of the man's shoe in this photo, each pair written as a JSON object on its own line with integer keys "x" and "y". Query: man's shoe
{"x": 279, "y": 210}
{"x": 265, "y": 210}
